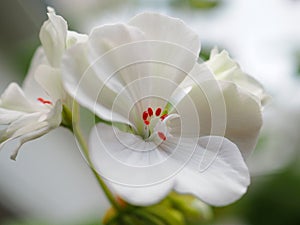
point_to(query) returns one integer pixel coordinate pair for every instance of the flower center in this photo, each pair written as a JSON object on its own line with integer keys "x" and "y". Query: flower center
{"x": 148, "y": 115}
{"x": 153, "y": 120}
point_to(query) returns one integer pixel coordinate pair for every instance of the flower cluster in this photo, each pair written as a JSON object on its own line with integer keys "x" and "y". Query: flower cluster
{"x": 168, "y": 120}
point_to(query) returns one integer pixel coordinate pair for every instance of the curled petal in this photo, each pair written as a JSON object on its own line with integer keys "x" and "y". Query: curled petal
{"x": 13, "y": 98}
{"x": 244, "y": 118}
{"x": 227, "y": 69}
{"x": 26, "y": 138}
{"x": 53, "y": 36}
{"x": 217, "y": 173}
{"x": 30, "y": 127}
{"x": 239, "y": 117}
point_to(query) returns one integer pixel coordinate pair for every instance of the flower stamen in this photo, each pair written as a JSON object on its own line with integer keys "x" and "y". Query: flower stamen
{"x": 150, "y": 111}
{"x": 162, "y": 136}
{"x": 145, "y": 115}
{"x": 158, "y": 112}
{"x": 44, "y": 101}
{"x": 149, "y": 114}
{"x": 163, "y": 116}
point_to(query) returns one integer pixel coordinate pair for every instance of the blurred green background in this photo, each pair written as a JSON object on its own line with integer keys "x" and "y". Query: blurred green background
{"x": 52, "y": 185}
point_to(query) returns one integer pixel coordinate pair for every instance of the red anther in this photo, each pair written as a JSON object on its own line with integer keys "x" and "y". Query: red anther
{"x": 145, "y": 115}
{"x": 147, "y": 122}
{"x": 44, "y": 101}
{"x": 150, "y": 111}
{"x": 162, "y": 136}
{"x": 163, "y": 116}
{"x": 158, "y": 111}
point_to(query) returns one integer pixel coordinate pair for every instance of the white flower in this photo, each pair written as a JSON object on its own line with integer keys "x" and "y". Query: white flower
{"x": 34, "y": 111}
{"x": 166, "y": 134}
{"x": 227, "y": 69}
{"x": 25, "y": 119}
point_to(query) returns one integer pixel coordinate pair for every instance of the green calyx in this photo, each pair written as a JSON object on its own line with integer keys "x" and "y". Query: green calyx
{"x": 175, "y": 209}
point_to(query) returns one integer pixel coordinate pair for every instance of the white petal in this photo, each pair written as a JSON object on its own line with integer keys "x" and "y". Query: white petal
{"x": 29, "y": 137}
{"x": 216, "y": 173}
{"x": 227, "y": 69}
{"x": 134, "y": 68}
{"x": 81, "y": 82}
{"x": 109, "y": 53}
{"x": 163, "y": 28}
{"x": 204, "y": 100}
{"x": 136, "y": 168}
{"x": 31, "y": 122}
{"x": 23, "y": 129}
{"x": 14, "y": 98}
{"x": 126, "y": 159}
{"x": 144, "y": 196}
{"x": 251, "y": 85}
{"x": 31, "y": 126}
{"x": 49, "y": 79}
{"x": 227, "y": 110}
{"x": 107, "y": 37}
{"x": 26, "y": 124}
{"x": 244, "y": 118}
{"x": 7, "y": 116}
{"x": 53, "y": 36}
{"x": 178, "y": 50}
{"x": 54, "y": 116}
{"x": 74, "y": 38}
{"x": 31, "y": 88}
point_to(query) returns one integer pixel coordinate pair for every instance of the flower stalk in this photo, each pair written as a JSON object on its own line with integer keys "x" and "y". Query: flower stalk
{"x": 72, "y": 119}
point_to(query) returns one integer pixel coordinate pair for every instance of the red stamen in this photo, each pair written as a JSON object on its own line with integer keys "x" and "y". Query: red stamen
{"x": 150, "y": 111}
{"x": 145, "y": 115}
{"x": 147, "y": 122}
{"x": 162, "y": 136}
{"x": 163, "y": 116}
{"x": 44, "y": 101}
{"x": 158, "y": 111}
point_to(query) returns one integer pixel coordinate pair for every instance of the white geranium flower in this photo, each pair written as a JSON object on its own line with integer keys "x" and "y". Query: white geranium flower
{"x": 25, "y": 119}
{"x": 32, "y": 112}
{"x": 166, "y": 134}
{"x": 227, "y": 69}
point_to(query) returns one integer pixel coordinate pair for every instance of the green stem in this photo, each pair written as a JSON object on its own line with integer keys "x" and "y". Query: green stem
{"x": 84, "y": 146}
{"x": 148, "y": 218}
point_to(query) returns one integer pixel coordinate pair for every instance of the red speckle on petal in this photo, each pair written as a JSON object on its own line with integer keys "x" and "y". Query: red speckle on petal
{"x": 158, "y": 111}
{"x": 147, "y": 122}
{"x": 44, "y": 101}
{"x": 150, "y": 111}
{"x": 162, "y": 136}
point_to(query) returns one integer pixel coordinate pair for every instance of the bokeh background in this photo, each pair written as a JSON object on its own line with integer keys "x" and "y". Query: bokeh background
{"x": 50, "y": 182}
